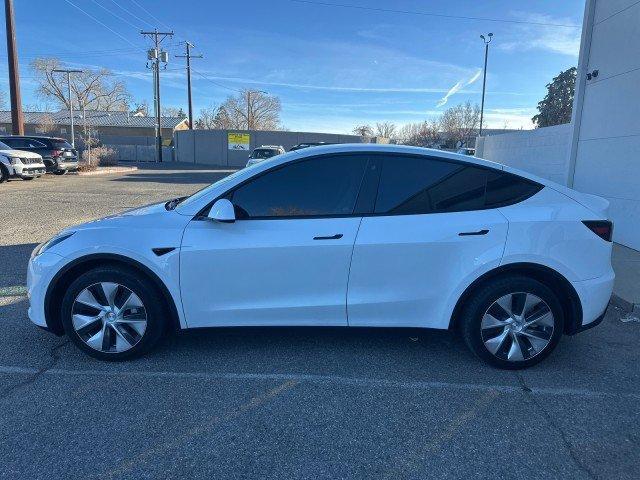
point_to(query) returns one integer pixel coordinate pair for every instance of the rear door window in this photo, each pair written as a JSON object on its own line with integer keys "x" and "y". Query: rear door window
{"x": 412, "y": 185}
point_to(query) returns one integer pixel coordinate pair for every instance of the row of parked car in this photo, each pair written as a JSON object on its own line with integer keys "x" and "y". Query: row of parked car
{"x": 28, "y": 157}
{"x": 267, "y": 151}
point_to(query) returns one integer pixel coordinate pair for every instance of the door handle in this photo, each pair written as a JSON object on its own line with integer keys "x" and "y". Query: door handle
{"x": 479, "y": 232}
{"x": 330, "y": 237}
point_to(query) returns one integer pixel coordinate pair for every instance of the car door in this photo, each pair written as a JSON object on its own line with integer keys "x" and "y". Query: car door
{"x": 429, "y": 231}
{"x": 285, "y": 260}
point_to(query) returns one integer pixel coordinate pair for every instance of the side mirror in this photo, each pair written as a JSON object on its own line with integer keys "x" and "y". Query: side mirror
{"x": 222, "y": 211}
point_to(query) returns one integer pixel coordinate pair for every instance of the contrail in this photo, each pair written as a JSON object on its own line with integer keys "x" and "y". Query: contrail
{"x": 456, "y": 88}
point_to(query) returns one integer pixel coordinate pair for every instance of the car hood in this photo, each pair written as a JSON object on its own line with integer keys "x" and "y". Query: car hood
{"x": 145, "y": 216}
{"x": 19, "y": 153}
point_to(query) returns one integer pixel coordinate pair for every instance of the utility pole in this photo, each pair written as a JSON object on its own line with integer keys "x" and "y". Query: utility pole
{"x": 69, "y": 71}
{"x": 17, "y": 119}
{"x": 156, "y": 56}
{"x": 188, "y": 56}
{"x": 486, "y": 41}
{"x": 249, "y": 92}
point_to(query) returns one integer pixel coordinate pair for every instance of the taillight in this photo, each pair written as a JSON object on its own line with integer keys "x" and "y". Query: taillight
{"x": 602, "y": 228}
{"x": 56, "y": 153}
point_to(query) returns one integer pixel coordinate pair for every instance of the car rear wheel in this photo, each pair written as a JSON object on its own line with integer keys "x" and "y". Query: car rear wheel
{"x": 4, "y": 175}
{"x": 513, "y": 322}
{"x": 113, "y": 313}
{"x": 59, "y": 172}
{"x": 28, "y": 178}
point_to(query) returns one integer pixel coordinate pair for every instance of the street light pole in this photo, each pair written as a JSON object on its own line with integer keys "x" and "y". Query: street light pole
{"x": 487, "y": 41}
{"x": 69, "y": 71}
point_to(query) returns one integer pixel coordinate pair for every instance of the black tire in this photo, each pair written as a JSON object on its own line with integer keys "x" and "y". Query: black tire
{"x": 476, "y": 307}
{"x": 59, "y": 172}
{"x": 152, "y": 299}
{"x": 28, "y": 178}
{"x": 4, "y": 175}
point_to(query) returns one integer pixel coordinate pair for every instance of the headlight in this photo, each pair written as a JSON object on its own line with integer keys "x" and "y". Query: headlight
{"x": 15, "y": 160}
{"x": 43, "y": 247}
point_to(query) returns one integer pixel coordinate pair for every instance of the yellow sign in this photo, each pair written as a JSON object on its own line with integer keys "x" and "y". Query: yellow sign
{"x": 238, "y": 141}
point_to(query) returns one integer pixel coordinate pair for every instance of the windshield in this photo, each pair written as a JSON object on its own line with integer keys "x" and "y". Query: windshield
{"x": 263, "y": 153}
{"x": 61, "y": 144}
{"x": 203, "y": 191}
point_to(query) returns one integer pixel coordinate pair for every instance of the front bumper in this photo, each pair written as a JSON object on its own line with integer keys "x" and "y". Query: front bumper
{"x": 40, "y": 272}
{"x": 29, "y": 171}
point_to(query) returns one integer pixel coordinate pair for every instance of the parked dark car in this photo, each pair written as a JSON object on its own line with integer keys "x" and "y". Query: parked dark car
{"x": 58, "y": 155}
{"x": 307, "y": 144}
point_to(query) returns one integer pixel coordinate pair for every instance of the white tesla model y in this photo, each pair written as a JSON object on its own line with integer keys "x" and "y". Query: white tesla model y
{"x": 339, "y": 235}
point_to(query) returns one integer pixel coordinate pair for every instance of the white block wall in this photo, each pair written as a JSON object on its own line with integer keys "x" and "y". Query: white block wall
{"x": 543, "y": 151}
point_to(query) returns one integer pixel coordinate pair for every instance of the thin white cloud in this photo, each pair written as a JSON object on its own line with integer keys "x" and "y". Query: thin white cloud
{"x": 457, "y": 87}
{"x": 561, "y": 40}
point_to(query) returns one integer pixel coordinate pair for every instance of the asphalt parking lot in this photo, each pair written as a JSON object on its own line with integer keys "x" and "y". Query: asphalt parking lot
{"x": 292, "y": 402}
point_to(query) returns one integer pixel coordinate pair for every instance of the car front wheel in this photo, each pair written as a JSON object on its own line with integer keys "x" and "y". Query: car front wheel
{"x": 513, "y": 322}
{"x": 113, "y": 313}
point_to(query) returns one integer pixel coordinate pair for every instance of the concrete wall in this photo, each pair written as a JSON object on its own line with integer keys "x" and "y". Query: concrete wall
{"x": 141, "y": 153}
{"x": 210, "y": 146}
{"x": 543, "y": 151}
{"x": 605, "y": 155}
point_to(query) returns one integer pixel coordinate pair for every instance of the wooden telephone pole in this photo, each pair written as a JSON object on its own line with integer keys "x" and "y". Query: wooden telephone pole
{"x": 17, "y": 119}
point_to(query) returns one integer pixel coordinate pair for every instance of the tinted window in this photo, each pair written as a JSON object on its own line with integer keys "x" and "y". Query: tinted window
{"x": 404, "y": 184}
{"x": 414, "y": 185}
{"x": 61, "y": 144}
{"x": 506, "y": 189}
{"x": 15, "y": 142}
{"x": 462, "y": 190}
{"x": 320, "y": 186}
{"x": 411, "y": 185}
{"x": 31, "y": 143}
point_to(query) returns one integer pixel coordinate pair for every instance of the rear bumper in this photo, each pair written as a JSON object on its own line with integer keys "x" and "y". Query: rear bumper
{"x": 68, "y": 166}
{"x": 595, "y": 295}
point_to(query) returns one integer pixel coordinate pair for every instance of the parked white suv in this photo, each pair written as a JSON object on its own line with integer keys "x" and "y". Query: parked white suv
{"x": 360, "y": 235}
{"x": 19, "y": 163}
{"x": 264, "y": 152}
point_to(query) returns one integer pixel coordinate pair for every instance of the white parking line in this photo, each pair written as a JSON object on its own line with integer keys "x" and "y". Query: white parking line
{"x": 322, "y": 379}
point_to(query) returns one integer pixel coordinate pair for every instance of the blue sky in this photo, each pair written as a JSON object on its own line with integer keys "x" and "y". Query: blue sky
{"x": 332, "y": 67}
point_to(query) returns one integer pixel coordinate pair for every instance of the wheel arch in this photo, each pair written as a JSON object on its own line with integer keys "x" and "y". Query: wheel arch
{"x": 69, "y": 272}
{"x": 571, "y": 305}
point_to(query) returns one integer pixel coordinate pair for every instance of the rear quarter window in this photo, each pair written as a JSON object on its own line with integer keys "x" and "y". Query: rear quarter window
{"x": 506, "y": 189}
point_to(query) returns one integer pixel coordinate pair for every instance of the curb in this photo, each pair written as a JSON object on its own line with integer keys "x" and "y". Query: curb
{"x": 106, "y": 171}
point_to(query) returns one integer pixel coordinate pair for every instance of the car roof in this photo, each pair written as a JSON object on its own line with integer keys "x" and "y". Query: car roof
{"x": 39, "y": 137}
{"x": 399, "y": 149}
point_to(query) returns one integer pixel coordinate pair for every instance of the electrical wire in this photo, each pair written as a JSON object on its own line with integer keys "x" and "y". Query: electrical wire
{"x": 116, "y": 15}
{"x": 202, "y": 75}
{"x": 132, "y": 14}
{"x": 103, "y": 24}
{"x": 430, "y": 14}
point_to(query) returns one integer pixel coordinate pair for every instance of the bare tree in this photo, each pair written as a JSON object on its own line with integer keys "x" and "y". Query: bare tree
{"x": 256, "y": 110}
{"x": 177, "y": 112}
{"x": 90, "y": 90}
{"x": 207, "y": 119}
{"x": 385, "y": 129}
{"x": 141, "y": 108}
{"x": 46, "y": 124}
{"x": 423, "y": 134}
{"x": 460, "y": 123}
{"x": 363, "y": 130}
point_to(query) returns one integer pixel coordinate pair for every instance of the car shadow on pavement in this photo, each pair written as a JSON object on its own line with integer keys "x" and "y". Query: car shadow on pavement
{"x": 13, "y": 265}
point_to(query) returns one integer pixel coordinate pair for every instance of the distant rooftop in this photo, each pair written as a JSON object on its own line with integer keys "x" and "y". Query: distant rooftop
{"x": 95, "y": 118}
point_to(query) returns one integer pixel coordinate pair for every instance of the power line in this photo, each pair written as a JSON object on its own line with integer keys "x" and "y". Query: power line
{"x": 104, "y": 25}
{"x": 116, "y": 15}
{"x": 430, "y": 14}
{"x": 202, "y": 75}
{"x": 150, "y": 14}
{"x": 131, "y": 13}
